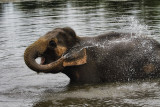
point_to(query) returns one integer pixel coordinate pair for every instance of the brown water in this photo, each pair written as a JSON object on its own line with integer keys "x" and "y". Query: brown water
{"x": 21, "y": 23}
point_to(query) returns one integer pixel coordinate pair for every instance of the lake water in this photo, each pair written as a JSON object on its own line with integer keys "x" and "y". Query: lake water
{"x": 23, "y": 22}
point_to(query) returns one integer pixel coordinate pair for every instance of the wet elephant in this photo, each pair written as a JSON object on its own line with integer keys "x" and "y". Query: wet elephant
{"x": 105, "y": 58}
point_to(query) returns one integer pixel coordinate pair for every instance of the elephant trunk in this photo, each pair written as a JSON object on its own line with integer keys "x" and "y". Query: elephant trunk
{"x": 34, "y": 51}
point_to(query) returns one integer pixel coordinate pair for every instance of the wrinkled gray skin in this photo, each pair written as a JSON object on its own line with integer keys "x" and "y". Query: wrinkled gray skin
{"x": 109, "y": 57}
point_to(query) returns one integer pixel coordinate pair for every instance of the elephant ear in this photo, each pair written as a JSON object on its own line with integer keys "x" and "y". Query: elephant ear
{"x": 77, "y": 58}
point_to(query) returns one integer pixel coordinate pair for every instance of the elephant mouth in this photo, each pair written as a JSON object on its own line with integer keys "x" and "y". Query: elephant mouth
{"x": 42, "y": 62}
{"x": 48, "y": 57}
{"x": 45, "y": 61}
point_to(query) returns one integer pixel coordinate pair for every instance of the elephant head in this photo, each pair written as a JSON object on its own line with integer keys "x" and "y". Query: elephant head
{"x": 51, "y": 48}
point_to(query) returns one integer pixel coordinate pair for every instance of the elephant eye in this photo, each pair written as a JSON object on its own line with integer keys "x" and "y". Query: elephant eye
{"x": 52, "y": 44}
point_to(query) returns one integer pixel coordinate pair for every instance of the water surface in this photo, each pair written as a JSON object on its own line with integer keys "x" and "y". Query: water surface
{"x": 21, "y": 23}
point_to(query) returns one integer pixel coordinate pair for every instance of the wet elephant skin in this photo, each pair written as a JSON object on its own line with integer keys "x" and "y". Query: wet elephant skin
{"x": 108, "y": 57}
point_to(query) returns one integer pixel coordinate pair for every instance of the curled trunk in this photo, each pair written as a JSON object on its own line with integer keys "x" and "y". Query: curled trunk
{"x": 32, "y": 52}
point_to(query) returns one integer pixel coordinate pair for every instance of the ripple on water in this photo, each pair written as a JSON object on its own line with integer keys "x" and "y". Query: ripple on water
{"x": 138, "y": 94}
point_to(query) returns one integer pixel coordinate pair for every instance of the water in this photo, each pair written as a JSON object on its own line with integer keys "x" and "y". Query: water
{"x": 21, "y": 23}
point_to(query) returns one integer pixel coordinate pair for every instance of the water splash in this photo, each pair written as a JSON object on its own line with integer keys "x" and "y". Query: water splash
{"x": 133, "y": 25}
{"x": 132, "y": 28}
{"x": 106, "y": 44}
{"x": 76, "y": 49}
{"x": 73, "y": 51}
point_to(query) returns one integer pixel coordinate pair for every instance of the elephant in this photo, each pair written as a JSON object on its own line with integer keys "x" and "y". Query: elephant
{"x": 109, "y": 57}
